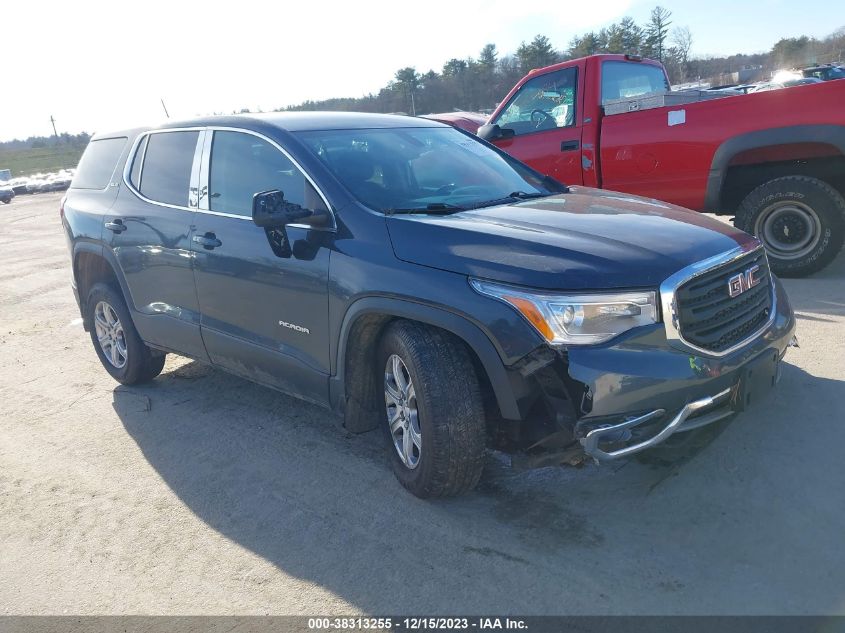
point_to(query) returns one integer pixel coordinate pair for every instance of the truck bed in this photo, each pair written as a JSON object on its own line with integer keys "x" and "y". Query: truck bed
{"x": 668, "y": 152}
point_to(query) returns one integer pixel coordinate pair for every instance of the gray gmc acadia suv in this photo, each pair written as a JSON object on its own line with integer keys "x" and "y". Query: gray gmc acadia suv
{"x": 412, "y": 277}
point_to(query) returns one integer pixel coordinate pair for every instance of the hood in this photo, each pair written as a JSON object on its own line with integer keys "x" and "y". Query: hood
{"x": 587, "y": 239}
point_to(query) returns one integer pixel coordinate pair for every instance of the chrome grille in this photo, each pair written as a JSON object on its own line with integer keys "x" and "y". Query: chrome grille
{"x": 709, "y": 318}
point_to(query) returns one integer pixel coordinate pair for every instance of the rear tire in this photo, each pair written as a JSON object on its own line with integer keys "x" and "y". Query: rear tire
{"x": 116, "y": 341}
{"x": 800, "y": 220}
{"x": 443, "y": 415}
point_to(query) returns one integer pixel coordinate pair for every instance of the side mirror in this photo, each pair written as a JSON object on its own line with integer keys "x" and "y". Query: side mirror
{"x": 270, "y": 210}
{"x": 492, "y": 132}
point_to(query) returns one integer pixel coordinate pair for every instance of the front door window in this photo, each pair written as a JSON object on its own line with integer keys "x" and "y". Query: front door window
{"x": 243, "y": 165}
{"x": 543, "y": 103}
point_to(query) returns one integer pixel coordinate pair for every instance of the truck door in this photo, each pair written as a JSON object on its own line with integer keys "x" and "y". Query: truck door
{"x": 263, "y": 300}
{"x": 544, "y": 114}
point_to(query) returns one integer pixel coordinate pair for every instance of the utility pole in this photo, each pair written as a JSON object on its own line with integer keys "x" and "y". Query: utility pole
{"x": 53, "y": 121}
{"x": 166, "y": 113}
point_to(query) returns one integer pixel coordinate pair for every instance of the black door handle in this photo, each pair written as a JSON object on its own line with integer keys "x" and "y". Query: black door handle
{"x": 116, "y": 225}
{"x": 208, "y": 241}
{"x": 568, "y": 146}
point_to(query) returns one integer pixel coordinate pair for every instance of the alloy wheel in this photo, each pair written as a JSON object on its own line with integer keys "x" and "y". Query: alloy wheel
{"x": 402, "y": 416}
{"x": 110, "y": 334}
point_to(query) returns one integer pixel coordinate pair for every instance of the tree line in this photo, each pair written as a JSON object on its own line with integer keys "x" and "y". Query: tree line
{"x": 48, "y": 142}
{"x": 478, "y": 83}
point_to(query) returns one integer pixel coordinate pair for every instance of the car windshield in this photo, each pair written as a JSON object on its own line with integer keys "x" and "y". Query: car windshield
{"x": 826, "y": 73}
{"x": 422, "y": 169}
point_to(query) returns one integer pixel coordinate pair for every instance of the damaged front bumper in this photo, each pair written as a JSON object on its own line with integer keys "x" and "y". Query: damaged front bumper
{"x": 593, "y": 441}
{"x": 701, "y": 412}
{"x": 636, "y": 392}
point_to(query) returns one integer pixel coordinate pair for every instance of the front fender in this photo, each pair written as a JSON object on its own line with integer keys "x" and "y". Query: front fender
{"x": 471, "y": 334}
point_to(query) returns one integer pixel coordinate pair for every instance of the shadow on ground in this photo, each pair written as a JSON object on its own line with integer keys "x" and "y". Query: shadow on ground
{"x": 820, "y": 297}
{"x": 752, "y": 524}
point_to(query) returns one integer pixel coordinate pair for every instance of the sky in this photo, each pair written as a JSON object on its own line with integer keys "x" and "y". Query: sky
{"x": 99, "y": 66}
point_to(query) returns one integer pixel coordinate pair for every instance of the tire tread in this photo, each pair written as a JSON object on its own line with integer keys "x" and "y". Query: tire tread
{"x": 142, "y": 364}
{"x": 445, "y": 380}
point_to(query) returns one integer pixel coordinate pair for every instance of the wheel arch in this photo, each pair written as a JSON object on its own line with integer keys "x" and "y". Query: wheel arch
{"x": 94, "y": 263}
{"x": 361, "y": 328}
{"x": 773, "y": 149}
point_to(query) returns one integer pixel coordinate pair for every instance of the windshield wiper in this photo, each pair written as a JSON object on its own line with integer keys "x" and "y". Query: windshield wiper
{"x": 433, "y": 208}
{"x": 513, "y": 196}
{"x": 521, "y": 195}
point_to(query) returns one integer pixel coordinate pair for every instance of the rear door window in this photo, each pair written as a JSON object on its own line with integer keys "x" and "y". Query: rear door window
{"x": 98, "y": 163}
{"x": 166, "y": 173}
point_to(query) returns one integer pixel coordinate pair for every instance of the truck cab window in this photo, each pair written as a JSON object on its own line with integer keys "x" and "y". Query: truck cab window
{"x": 628, "y": 80}
{"x": 542, "y": 103}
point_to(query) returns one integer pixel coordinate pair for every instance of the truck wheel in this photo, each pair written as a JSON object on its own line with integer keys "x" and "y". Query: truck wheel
{"x": 121, "y": 350}
{"x": 434, "y": 413}
{"x": 800, "y": 220}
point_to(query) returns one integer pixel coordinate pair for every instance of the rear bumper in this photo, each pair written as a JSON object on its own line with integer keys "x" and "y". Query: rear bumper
{"x": 638, "y": 391}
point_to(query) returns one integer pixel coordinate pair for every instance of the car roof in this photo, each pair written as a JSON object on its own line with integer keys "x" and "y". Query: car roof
{"x": 305, "y": 121}
{"x": 129, "y": 132}
{"x": 293, "y": 122}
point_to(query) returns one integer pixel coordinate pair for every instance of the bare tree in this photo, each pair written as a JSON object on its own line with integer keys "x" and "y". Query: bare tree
{"x": 680, "y": 50}
{"x": 682, "y": 41}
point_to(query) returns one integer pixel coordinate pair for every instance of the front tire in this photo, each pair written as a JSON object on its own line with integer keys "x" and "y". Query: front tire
{"x": 434, "y": 415}
{"x": 800, "y": 220}
{"x": 116, "y": 341}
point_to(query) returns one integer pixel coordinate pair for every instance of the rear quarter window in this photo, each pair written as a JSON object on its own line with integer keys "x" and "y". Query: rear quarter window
{"x": 98, "y": 163}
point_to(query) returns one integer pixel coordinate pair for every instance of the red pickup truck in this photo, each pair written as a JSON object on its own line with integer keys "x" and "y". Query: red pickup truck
{"x": 775, "y": 160}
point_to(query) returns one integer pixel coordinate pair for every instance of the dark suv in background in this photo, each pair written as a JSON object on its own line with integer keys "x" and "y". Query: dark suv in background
{"x": 411, "y": 276}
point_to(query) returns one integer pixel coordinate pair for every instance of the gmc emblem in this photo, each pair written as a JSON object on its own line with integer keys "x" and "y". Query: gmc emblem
{"x": 741, "y": 282}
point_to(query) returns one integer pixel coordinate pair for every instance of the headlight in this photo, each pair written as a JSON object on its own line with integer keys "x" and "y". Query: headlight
{"x": 577, "y": 319}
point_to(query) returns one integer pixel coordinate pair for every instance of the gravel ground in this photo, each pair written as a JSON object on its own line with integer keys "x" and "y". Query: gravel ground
{"x": 205, "y": 494}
